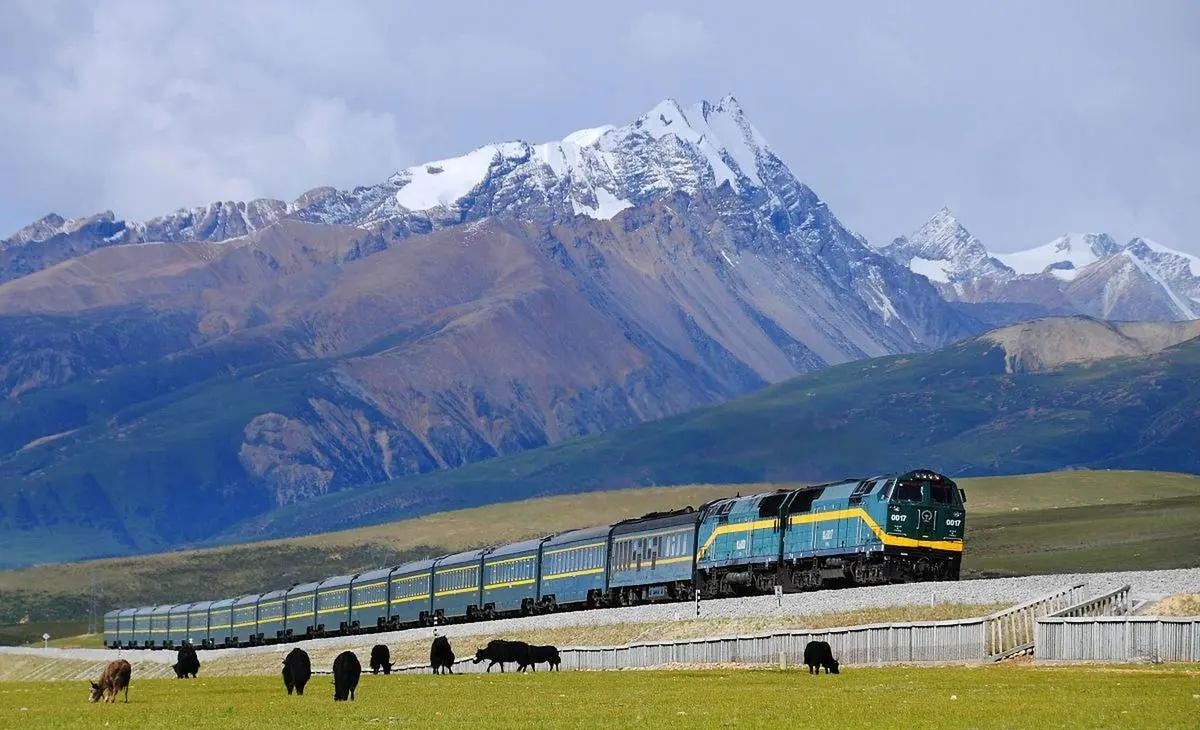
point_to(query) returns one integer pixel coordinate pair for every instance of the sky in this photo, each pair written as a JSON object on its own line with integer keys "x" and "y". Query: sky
{"x": 1027, "y": 119}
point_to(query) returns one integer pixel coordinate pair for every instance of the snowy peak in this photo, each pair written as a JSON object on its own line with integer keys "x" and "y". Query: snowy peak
{"x": 945, "y": 252}
{"x": 1064, "y": 256}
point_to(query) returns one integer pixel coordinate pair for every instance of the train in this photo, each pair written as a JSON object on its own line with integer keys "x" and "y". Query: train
{"x": 891, "y": 528}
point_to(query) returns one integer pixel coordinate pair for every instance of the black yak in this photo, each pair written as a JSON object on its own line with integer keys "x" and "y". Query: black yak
{"x": 441, "y": 656}
{"x": 540, "y": 654}
{"x": 499, "y": 652}
{"x": 380, "y": 659}
{"x": 346, "y": 671}
{"x": 187, "y": 664}
{"x": 818, "y": 654}
{"x": 296, "y": 671}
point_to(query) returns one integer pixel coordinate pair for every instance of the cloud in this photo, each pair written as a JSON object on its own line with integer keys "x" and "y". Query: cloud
{"x": 665, "y": 35}
{"x": 145, "y": 113}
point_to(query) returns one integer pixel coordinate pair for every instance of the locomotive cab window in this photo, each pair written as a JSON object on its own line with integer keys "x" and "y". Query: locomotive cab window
{"x": 942, "y": 494}
{"x": 907, "y": 492}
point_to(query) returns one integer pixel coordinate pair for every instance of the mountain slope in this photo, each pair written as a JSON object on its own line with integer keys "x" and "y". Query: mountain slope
{"x": 264, "y": 354}
{"x": 961, "y": 410}
{"x": 1079, "y": 273}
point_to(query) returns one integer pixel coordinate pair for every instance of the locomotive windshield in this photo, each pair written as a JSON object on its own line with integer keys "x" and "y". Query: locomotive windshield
{"x": 907, "y": 492}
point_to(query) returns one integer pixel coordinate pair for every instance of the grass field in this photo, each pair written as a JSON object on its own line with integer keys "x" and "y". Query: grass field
{"x": 1058, "y": 522}
{"x": 984, "y": 698}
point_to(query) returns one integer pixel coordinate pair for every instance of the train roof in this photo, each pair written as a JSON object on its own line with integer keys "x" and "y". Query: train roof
{"x": 925, "y": 475}
{"x": 180, "y": 608}
{"x": 243, "y": 600}
{"x": 586, "y": 533}
{"x": 373, "y": 575}
{"x": 336, "y": 581}
{"x": 463, "y": 558}
{"x": 115, "y": 612}
{"x": 223, "y": 603}
{"x": 273, "y": 594}
{"x": 657, "y": 521}
{"x": 517, "y": 547}
{"x": 199, "y": 604}
{"x": 127, "y": 611}
{"x": 303, "y": 588}
{"x": 417, "y": 566}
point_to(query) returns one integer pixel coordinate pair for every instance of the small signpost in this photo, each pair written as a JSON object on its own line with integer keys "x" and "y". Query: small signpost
{"x": 45, "y": 641}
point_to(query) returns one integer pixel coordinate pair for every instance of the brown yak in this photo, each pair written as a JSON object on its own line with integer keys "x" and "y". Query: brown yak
{"x": 114, "y": 679}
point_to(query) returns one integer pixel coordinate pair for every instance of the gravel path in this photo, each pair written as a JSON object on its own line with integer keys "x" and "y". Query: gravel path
{"x": 1146, "y": 584}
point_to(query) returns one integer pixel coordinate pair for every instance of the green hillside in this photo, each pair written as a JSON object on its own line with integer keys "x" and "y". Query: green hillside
{"x": 955, "y": 410}
{"x": 1058, "y": 522}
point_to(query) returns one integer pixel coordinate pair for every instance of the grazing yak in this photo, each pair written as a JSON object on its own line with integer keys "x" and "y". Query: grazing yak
{"x": 540, "y": 654}
{"x": 297, "y": 670}
{"x": 114, "y": 679}
{"x": 818, "y": 654}
{"x": 346, "y": 671}
{"x": 500, "y": 652}
{"x": 380, "y": 659}
{"x": 441, "y": 656}
{"x": 187, "y": 664}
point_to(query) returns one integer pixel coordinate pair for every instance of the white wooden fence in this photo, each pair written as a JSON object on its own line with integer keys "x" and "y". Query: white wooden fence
{"x": 1118, "y": 639}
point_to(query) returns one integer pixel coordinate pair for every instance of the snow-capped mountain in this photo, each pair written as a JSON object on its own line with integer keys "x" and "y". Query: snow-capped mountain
{"x": 709, "y": 152}
{"x": 1077, "y": 273}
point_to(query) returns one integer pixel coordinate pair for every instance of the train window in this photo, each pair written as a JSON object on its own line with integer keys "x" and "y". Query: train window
{"x": 804, "y": 499}
{"x": 941, "y": 493}
{"x": 861, "y": 491}
{"x": 887, "y": 489}
{"x": 908, "y": 492}
{"x": 769, "y": 506}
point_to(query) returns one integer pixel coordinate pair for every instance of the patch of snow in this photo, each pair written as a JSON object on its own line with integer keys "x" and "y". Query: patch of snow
{"x": 734, "y": 135}
{"x": 607, "y": 206}
{"x": 587, "y": 137}
{"x": 727, "y": 259}
{"x": 1149, "y": 271}
{"x": 444, "y": 182}
{"x": 1074, "y": 249}
{"x": 1193, "y": 261}
{"x": 932, "y": 269}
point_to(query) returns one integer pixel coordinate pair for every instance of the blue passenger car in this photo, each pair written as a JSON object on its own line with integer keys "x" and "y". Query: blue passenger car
{"x": 651, "y": 558}
{"x": 245, "y": 620}
{"x": 574, "y": 568}
{"x": 410, "y": 600}
{"x": 270, "y": 617}
{"x": 220, "y": 623}
{"x": 159, "y": 627}
{"x": 300, "y": 619}
{"x": 197, "y": 623}
{"x": 456, "y": 586}
{"x": 369, "y": 600}
{"x": 177, "y": 622}
{"x": 112, "y": 630}
{"x": 125, "y": 627}
{"x": 510, "y": 574}
{"x": 142, "y": 638}
{"x": 333, "y": 605}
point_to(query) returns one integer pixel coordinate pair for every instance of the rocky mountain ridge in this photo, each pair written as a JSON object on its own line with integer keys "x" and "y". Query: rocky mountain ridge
{"x": 1088, "y": 273}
